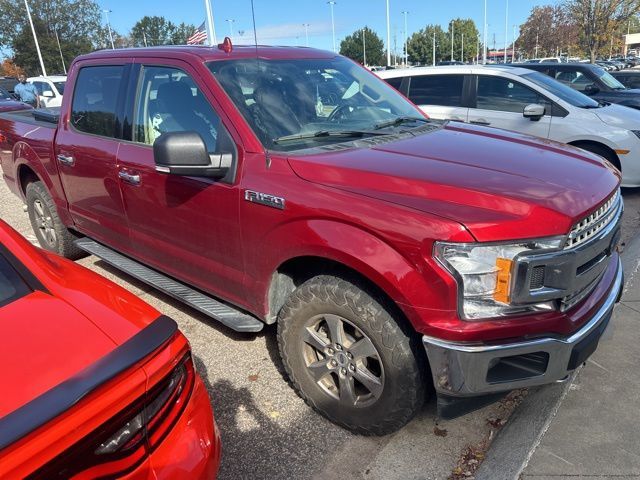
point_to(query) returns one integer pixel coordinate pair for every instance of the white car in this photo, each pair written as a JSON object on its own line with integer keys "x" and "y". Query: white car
{"x": 528, "y": 102}
{"x": 50, "y": 89}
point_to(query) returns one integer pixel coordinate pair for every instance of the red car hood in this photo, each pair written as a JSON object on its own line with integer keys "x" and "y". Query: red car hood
{"x": 46, "y": 342}
{"x": 498, "y": 184}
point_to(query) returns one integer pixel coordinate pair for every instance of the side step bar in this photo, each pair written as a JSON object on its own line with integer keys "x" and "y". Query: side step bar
{"x": 226, "y": 314}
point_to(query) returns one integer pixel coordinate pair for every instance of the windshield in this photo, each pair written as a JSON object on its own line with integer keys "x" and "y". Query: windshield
{"x": 301, "y": 103}
{"x": 12, "y": 286}
{"x": 4, "y": 95}
{"x": 608, "y": 79}
{"x": 561, "y": 91}
{"x": 60, "y": 87}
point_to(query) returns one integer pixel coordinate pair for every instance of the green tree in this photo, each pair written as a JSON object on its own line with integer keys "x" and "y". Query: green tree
{"x": 77, "y": 23}
{"x": 463, "y": 28}
{"x": 352, "y": 47}
{"x": 420, "y": 45}
{"x": 181, "y": 33}
{"x": 156, "y": 30}
{"x": 26, "y": 56}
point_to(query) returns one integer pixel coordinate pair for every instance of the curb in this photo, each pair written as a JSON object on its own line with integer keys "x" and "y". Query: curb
{"x": 514, "y": 446}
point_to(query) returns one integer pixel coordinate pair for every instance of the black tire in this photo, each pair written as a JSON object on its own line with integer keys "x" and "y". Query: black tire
{"x": 49, "y": 229}
{"x": 604, "y": 152}
{"x": 397, "y": 366}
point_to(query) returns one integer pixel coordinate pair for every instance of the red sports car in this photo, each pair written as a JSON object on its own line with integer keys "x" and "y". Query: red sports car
{"x": 94, "y": 383}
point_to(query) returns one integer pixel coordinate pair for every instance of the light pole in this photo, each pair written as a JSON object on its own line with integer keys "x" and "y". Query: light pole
{"x": 364, "y": 47}
{"x": 211, "y": 27}
{"x": 433, "y": 50}
{"x": 506, "y": 32}
{"x": 35, "y": 38}
{"x": 306, "y": 33}
{"x": 406, "y": 57}
{"x": 333, "y": 25}
{"x": 106, "y": 14}
{"x": 388, "y": 38}
{"x": 484, "y": 35}
{"x": 536, "y": 46}
{"x": 230, "y": 21}
{"x": 452, "y": 28}
{"x": 513, "y": 54}
{"x": 462, "y": 49}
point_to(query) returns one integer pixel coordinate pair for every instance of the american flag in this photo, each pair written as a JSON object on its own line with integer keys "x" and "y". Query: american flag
{"x": 199, "y": 36}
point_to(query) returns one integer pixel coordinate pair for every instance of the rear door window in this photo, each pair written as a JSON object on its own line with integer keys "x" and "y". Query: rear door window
{"x": 394, "y": 82}
{"x": 95, "y": 99}
{"x": 443, "y": 90}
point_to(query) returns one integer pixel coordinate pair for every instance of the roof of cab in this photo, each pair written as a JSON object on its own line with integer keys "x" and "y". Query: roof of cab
{"x": 208, "y": 53}
{"x": 449, "y": 69}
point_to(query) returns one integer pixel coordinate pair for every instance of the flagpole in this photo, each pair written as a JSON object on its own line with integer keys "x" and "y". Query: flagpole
{"x": 35, "y": 38}
{"x": 210, "y": 25}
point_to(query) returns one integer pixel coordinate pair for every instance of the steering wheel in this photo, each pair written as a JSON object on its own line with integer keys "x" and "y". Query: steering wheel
{"x": 341, "y": 112}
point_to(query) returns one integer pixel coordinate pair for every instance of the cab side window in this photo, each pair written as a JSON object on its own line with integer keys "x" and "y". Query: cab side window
{"x": 505, "y": 95}
{"x": 443, "y": 90}
{"x": 170, "y": 101}
{"x": 395, "y": 82}
{"x": 93, "y": 109}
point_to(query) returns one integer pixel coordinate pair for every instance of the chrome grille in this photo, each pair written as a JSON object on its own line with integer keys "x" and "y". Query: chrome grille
{"x": 595, "y": 222}
{"x": 571, "y": 300}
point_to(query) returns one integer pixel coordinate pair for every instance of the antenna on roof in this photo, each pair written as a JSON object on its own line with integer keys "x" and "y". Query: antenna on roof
{"x": 255, "y": 34}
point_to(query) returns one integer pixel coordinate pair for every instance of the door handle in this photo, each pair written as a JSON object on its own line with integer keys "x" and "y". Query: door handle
{"x": 480, "y": 122}
{"x": 66, "y": 160}
{"x": 131, "y": 178}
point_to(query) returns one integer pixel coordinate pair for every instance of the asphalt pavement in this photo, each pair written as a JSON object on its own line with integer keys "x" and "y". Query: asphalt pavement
{"x": 268, "y": 432}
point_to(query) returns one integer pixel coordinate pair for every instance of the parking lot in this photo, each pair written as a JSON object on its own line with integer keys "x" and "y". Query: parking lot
{"x": 267, "y": 431}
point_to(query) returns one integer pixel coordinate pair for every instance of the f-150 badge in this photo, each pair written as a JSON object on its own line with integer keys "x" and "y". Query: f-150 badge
{"x": 264, "y": 199}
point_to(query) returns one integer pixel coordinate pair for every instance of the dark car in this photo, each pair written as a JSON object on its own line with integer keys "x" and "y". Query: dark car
{"x": 590, "y": 80}
{"x": 8, "y": 83}
{"x": 629, "y": 78}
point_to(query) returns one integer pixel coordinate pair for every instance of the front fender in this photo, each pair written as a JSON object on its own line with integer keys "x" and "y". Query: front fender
{"x": 409, "y": 279}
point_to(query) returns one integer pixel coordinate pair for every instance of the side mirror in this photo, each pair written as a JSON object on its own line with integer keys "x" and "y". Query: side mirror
{"x": 533, "y": 112}
{"x": 591, "y": 89}
{"x": 48, "y": 94}
{"x": 185, "y": 153}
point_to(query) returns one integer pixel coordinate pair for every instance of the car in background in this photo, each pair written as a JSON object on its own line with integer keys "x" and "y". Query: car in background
{"x": 8, "y": 84}
{"x": 51, "y": 89}
{"x": 528, "y": 102}
{"x": 97, "y": 384}
{"x": 450, "y": 62}
{"x": 590, "y": 80}
{"x": 629, "y": 78}
{"x": 544, "y": 60}
{"x": 9, "y": 104}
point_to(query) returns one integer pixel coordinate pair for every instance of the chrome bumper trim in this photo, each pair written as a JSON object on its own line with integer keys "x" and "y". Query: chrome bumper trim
{"x": 461, "y": 369}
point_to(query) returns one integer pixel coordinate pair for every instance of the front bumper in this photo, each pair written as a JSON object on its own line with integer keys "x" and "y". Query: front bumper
{"x": 470, "y": 370}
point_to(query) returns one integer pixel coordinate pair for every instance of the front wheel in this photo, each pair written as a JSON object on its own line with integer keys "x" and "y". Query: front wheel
{"x": 348, "y": 357}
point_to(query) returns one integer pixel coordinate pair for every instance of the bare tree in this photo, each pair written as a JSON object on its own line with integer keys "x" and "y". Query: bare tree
{"x": 599, "y": 19}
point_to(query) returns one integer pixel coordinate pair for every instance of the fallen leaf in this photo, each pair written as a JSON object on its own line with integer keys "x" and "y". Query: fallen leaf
{"x": 440, "y": 432}
{"x": 274, "y": 414}
{"x": 253, "y": 378}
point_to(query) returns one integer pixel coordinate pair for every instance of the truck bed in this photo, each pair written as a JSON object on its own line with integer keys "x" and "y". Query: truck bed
{"x": 44, "y": 117}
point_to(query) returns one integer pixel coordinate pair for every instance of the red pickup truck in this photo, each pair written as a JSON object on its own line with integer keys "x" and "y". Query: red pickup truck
{"x": 268, "y": 185}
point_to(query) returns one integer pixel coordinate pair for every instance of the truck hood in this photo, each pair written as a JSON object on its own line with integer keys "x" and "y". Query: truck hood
{"x": 46, "y": 342}
{"x": 500, "y": 185}
{"x": 619, "y": 116}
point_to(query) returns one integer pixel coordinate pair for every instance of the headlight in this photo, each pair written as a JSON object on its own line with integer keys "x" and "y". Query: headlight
{"x": 485, "y": 275}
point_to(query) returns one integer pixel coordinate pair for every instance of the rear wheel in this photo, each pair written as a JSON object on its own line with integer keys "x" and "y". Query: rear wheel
{"x": 49, "y": 229}
{"x": 349, "y": 358}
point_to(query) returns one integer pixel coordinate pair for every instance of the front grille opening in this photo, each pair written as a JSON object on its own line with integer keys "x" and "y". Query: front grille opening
{"x": 589, "y": 226}
{"x": 517, "y": 367}
{"x": 537, "y": 277}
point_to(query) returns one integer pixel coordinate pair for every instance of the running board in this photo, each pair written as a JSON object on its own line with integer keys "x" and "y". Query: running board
{"x": 225, "y": 314}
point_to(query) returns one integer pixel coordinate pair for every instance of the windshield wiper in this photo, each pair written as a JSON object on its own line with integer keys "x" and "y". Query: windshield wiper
{"x": 325, "y": 134}
{"x": 398, "y": 121}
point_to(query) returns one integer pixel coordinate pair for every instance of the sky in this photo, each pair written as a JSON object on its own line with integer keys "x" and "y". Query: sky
{"x": 281, "y": 22}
